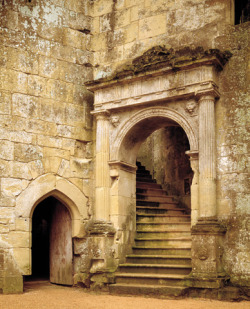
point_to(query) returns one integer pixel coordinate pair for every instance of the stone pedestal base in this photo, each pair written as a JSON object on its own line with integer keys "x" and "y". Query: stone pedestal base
{"x": 97, "y": 264}
{"x": 207, "y": 251}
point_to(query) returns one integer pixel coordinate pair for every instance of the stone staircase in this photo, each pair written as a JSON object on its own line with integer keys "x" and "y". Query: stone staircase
{"x": 161, "y": 256}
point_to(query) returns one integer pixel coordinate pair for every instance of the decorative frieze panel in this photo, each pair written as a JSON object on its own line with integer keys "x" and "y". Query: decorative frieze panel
{"x": 168, "y": 86}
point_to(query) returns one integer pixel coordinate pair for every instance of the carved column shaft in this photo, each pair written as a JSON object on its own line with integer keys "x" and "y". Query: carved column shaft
{"x": 102, "y": 168}
{"x": 207, "y": 156}
{"x": 194, "y": 162}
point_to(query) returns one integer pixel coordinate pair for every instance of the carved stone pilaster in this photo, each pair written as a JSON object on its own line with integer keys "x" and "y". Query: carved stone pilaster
{"x": 194, "y": 161}
{"x": 102, "y": 196}
{"x": 207, "y": 154}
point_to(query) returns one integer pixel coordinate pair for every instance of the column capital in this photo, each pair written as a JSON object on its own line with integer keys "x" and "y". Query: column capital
{"x": 103, "y": 114}
{"x": 207, "y": 94}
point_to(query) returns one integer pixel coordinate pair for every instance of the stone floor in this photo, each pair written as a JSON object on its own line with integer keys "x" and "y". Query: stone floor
{"x": 43, "y": 295}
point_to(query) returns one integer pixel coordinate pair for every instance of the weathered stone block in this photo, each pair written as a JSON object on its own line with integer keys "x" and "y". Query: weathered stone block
{"x": 36, "y": 85}
{"x": 25, "y": 106}
{"x": 6, "y": 150}
{"x": 18, "y": 239}
{"x": 75, "y": 5}
{"x": 48, "y": 67}
{"x": 36, "y": 168}
{"x": 12, "y": 20}
{"x": 38, "y": 126}
{"x": 74, "y": 114}
{"x": 50, "y": 33}
{"x": 102, "y": 7}
{"x": 49, "y": 141}
{"x": 13, "y": 81}
{"x": 61, "y": 52}
{"x": 59, "y": 90}
{"x": 131, "y": 32}
{"x": 26, "y": 153}
{"x": 74, "y": 38}
{"x": 13, "y": 284}
{"x": 152, "y": 26}
{"x": 23, "y": 259}
{"x": 54, "y": 152}
{"x": 20, "y": 170}
{"x": 24, "y": 61}
{"x": 99, "y": 42}
{"x": 4, "y": 168}
{"x": 22, "y": 224}
{"x": 12, "y": 187}
{"x": 79, "y": 21}
{"x": 5, "y": 102}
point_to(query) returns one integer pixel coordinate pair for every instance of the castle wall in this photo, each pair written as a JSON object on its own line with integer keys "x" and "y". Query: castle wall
{"x": 45, "y": 121}
{"x": 124, "y": 29}
{"x": 48, "y": 49}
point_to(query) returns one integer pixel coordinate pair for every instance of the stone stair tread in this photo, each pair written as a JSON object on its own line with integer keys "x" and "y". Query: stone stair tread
{"x": 159, "y": 207}
{"x": 158, "y": 276}
{"x": 165, "y": 223}
{"x": 160, "y": 248}
{"x": 139, "y": 183}
{"x": 162, "y": 231}
{"x": 161, "y": 215}
{"x": 147, "y": 289}
{"x": 149, "y": 286}
{"x": 158, "y": 256}
{"x": 164, "y": 238}
{"x": 154, "y": 265}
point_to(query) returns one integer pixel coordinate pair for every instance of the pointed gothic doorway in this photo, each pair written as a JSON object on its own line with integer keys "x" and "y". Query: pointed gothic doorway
{"x": 52, "y": 242}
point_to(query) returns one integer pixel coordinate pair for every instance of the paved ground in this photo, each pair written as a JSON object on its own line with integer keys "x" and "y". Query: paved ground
{"x": 43, "y": 295}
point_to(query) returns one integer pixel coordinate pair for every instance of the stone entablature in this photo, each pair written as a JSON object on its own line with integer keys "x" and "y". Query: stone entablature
{"x": 151, "y": 87}
{"x": 159, "y": 74}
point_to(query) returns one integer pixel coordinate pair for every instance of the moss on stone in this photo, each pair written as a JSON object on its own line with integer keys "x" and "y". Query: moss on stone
{"x": 159, "y": 57}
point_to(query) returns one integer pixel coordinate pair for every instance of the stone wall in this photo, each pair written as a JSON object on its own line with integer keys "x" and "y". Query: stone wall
{"x": 124, "y": 29}
{"x": 45, "y": 121}
{"x": 48, "y": 49}
{"x": 232, "y": 114}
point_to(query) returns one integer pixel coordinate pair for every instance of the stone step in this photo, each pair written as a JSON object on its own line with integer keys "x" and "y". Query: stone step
{"x": 146, "y": 185}
{"x": 142, "y": 172}
{"x": 147, "y": 203}
{"x": 146, "y": 180}
{"x": 159, "y": 259}
{"x": 156, "y": 203}
{"x": 145, "y": 177}
{"x": 162, "y": 234}
{"x": 146, "y": 289}
{"x": 155, "y": 279}
{"x": 152, "y": 191}
{"x": 159, "y": 210}
{"x": 155, "y": 198}
{"x": 180, "y": 242}
{"x": 170, "y": 250}
{"x": 167, "y": 226}
{"x": 155, "y": 269}
{"x": 161, "y": 218}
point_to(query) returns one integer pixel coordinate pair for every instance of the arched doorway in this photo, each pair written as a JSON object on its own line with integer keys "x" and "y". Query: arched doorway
{"x": 128, "y": 107}
{"x": 163, "y": 153}
{"x": 52, "y": 242}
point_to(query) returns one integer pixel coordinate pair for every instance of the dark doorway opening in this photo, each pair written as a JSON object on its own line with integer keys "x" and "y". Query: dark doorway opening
{"x": 52, "y": 253}
{"x": 41, "y": 223}
{"x": 242, "y": 11}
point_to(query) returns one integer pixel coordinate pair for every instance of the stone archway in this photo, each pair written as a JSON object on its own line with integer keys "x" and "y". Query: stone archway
{"x": 52, "y": 249}
{"x": 38, "y": 190}
{"x": 176, "y": 85}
